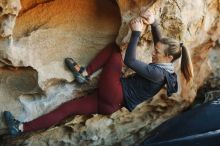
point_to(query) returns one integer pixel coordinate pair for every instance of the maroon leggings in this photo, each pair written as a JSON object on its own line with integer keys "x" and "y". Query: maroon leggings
{"x": 106, "y": 99}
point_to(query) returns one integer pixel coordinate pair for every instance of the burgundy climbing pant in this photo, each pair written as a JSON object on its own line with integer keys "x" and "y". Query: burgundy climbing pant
{"x": 106, "y": 99}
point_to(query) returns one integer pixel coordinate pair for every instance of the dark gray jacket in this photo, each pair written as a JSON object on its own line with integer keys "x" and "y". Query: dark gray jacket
{"x": 148, "y": 79}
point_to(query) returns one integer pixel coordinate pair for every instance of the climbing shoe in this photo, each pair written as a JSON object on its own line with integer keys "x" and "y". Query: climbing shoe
{"x": 77, "y": 70}
{"x": 12, "y": 124}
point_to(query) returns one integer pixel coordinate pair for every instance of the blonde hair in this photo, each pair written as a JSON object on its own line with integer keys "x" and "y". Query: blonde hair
{"x": 177, "y": 50}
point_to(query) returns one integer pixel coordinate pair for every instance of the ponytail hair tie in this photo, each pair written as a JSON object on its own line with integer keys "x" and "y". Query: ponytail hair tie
{"x": 181, "y": 45}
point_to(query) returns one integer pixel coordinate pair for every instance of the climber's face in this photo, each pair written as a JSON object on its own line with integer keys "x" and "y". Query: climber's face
{"x": 158, "y": 54}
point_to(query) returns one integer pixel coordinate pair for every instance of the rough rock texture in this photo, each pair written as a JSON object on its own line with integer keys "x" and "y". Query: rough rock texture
{"x": 8, "y": 12}
{"x": 46, "y": 31}
{"x": 15, "y": 82}
{"x": 211, "y": 87}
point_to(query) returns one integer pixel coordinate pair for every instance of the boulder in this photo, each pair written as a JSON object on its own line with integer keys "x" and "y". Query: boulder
{"x": 41, "y": 33}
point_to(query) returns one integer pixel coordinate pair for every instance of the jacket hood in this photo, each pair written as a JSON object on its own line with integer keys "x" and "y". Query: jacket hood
{"x": 171, "y": 81}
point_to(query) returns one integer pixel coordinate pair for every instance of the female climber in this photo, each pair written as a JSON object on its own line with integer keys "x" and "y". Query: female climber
{"x": 114, "y": 91}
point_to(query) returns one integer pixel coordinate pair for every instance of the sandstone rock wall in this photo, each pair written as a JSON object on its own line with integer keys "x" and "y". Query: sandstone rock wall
{"x": 49, "y": 31}
{"x": 40, "y": 34}
{"x": 46, "y": 31}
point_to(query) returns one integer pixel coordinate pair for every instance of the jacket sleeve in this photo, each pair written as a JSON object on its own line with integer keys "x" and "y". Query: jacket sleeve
{"x": 155, "y": 32}
{"x": 145, "y": 70}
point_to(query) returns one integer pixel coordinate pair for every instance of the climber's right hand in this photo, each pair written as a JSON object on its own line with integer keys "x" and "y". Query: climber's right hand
{"x": 136, "y": 24}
